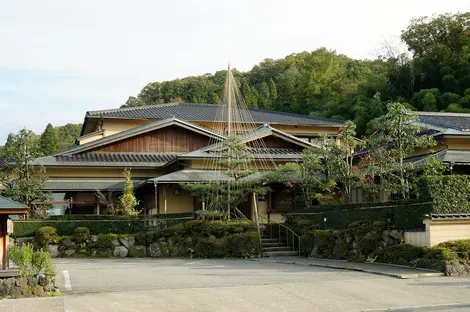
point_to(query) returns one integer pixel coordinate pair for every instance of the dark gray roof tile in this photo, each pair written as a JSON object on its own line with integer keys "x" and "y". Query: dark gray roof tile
{"x": 208, "y": 112}
{"x": 448, "y": 216}
{"x": 108, "y": 159}
{"x": 455, "y": 121}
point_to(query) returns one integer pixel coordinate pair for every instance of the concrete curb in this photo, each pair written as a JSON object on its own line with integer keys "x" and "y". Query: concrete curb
{"x": 426, "y": 273}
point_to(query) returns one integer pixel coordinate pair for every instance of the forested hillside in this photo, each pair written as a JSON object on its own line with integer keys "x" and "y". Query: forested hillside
{"x": 52, "y": 140}
{"x": 433, "y": 76}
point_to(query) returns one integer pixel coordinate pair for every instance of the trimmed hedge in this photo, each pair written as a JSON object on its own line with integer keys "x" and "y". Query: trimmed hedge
{"x": 399, "y": 215}
{"x": 98, "y": 224}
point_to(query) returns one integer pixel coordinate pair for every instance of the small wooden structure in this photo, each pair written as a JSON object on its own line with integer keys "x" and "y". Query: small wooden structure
{"x": 7, "y": 207}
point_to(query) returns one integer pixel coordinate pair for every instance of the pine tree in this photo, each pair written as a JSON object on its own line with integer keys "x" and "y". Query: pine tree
{"x": 49, "y": 141}
{"x": 128, "y": 200}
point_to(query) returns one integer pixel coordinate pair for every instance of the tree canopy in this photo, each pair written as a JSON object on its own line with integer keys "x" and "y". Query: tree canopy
{"x": 433, "y": 76}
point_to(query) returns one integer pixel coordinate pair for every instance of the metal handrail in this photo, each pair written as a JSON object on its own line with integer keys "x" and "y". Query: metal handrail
{"x": 294, "y": 235}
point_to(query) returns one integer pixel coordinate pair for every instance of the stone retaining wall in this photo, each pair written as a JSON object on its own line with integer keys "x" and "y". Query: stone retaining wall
{"x": 26, "y": 287}
{"x": 456, "y": 268}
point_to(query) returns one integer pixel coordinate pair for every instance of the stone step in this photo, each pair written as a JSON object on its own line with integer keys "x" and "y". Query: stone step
{"x": 280, "y": 253}
{"x": 274, "y": 244}
{"x": 277, "y": 248}
{"x": 269, "y": 240}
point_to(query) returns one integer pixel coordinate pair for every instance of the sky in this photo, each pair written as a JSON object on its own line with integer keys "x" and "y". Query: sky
{"x": 61, "y": 58}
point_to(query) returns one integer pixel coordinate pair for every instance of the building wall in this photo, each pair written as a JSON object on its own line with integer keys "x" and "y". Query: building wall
{"x": 183, "y": 202}
{"x": 442, "y": 231}
{"x": 458, "y": 144}
{"x": 171, "y": 139}
{"x": 112, "y": 126}
{"x": 96, "y": 173}
{"x": 439, "y": 231}
{"x": 419, "y": 239}
{"x": 90, "y": 137}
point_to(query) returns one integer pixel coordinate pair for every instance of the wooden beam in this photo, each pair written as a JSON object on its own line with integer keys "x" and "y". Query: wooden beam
{"x": 13, "y": 211}
{"x": 3, "y": 243}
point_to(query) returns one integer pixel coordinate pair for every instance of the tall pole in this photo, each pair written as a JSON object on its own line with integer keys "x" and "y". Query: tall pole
{"x": 229, "y": 102}
{"x": 229, "y": 128}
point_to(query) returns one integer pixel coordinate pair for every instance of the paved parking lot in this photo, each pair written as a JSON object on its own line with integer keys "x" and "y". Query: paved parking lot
{"x": 237, "y": 285}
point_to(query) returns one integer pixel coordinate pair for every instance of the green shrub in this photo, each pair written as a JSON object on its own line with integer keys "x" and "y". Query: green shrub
{"x": 244, "y": 245}
{"x": 81, "y": 235}
{"x": 448, "y": 192}
{"x": 460, "y": 247}
{"x": 30, "y": 263}
{"x": 401, "y": 254}
{"x": 324, "y": 241}
{"x": 430, "y": 264}
{"x": 66, "y": 224}
{"x": 440, "y": 253}
{"x": 45, "y": 235}
{"x": 397, "y": 214}
{"x": 301, "y": 226}
{"x": 147, "y": 238}
{"x": 212, "y": 248}
{"x": 105, "y": 241}
{"x": 307, "y": 243}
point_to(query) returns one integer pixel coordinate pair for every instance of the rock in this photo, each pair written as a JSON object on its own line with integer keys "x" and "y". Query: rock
{"x": 32, "y": 281}
{"x": 26, "y": 290}
{"x": 49, "y": 287}
{"x": 15, "y": 292}
{"x": 5, "y": 287}
{"x": 172, "y": 241}
{"x": 19, "y": 282}
{"x": 83, "y": 252}
{"x": 120, "y": 251}
{"x": 127, "y": 242}
{"x": 372, "y": 235}
{"x": 138, "y": 251}
{"x": 385, "y": 235}
{"x": 67, "y": 242}
{"x": 157, "y": 250}
{"x": 53, "y": 249}
{"x": 398, "y": 235}
{"x": 104, "y": 253}
{"x": 38, "y": 291}
{"x": 456, "y": 268}
{"x": 69, "y": 252}
{"x": 43, "y": 280}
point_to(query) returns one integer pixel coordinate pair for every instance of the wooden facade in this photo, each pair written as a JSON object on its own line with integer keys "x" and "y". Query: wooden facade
{"x": 172, "y": 139}
{"x": 274, "y": 142}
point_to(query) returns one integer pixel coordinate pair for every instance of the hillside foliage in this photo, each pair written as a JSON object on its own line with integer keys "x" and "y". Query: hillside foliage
{"x": 433, "y": 76}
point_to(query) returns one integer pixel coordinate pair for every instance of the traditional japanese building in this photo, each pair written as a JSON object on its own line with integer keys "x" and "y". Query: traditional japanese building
{"x": 166, "y": 145}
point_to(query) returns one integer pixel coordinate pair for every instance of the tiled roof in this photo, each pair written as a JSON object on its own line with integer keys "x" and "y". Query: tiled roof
{"x": 258, "y": 153}
{"x": 86, "y": 185}
{"x": 9, "y": 204}
{"x": 208, "y": 112}
{"x": 442, "y": 121}
{"x": 448, "y": 216}
{"x": 139, "y": 130}
{"x": 456, "y": 157}
{"x": 266, "y": 130}
{"x": 108, "y": 159}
